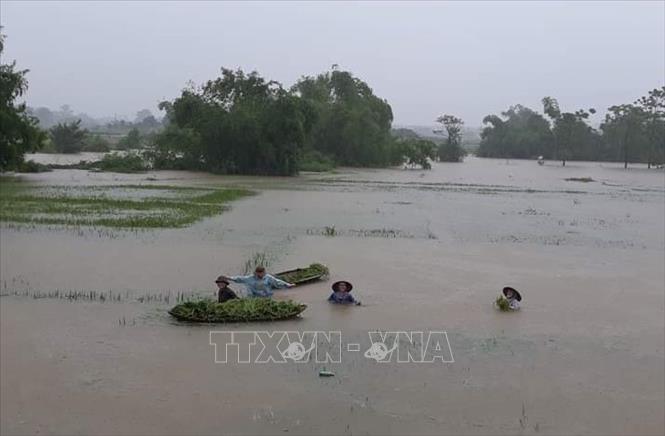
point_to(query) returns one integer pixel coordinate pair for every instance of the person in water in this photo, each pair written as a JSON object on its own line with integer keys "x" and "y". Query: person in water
{"x": 260, "y": 284}
{"x": 513, "y": 297}
{"x": 224, "y": 293}
{"x": 342, "y": 293}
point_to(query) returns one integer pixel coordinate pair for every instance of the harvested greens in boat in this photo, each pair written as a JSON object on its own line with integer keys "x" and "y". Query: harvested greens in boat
{"x": 302, "y": 275}
{"x": 237, "y": 310}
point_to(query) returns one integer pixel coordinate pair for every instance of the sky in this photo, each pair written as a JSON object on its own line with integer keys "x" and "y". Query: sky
{"x": 470, "y": 59}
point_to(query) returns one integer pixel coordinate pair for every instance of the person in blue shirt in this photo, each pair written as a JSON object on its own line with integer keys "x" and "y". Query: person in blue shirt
{"x": 341, "y": 293}
{"x": 260, "y": 284}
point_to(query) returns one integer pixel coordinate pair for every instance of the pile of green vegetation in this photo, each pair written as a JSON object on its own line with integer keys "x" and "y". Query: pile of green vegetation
{"x": 96, "y": 205}
{"x": 314, "y": 271}
{"x": 237, "y": 310}
{"x": 117, "y": 163}
{"x": 502, "y": 303}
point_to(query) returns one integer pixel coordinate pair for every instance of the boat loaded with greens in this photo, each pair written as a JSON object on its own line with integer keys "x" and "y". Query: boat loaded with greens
{"x": 299, "y": 276}
{"x": 237, "y": 310}
{"x": 251, "y": 309}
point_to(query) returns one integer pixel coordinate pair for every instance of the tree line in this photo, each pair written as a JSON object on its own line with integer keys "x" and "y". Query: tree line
{"x": 632, "y": 132}
{"x": 241, "y": 123}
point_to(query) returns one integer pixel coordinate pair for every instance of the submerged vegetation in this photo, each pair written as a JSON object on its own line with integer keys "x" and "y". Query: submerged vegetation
{"x": 237, "y": 310}
{"x": 260, "y": 258}
{"x": 127, "y": 206}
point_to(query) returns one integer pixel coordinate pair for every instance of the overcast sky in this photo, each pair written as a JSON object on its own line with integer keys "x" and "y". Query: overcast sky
{"x": 468, "y": 59}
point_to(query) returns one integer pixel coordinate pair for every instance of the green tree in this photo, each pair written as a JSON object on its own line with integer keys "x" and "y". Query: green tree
{"x": 236, "y": 123}
{"x": 451, "y": 150}
{"x": 96, "y": 143}
{"x": 130, "y": 141}
{"x": 570, "y": 131}
{"x": 652, "y": 107}
{"x": 418, "y": 152}
{"x": 350, "y": 123}
{"x": 68, "y": 137}
{"x": 519, "y": 133}
{"x": 19, "y": 131}
{"x": 623, "y": 129}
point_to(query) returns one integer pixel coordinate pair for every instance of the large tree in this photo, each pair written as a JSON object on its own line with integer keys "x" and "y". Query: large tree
{"x": 518, "y": 133}
{"x": 451, "y": 150}
{"x": 19, "y": 132}
{"x": 351, "y": 124}
{"x": 68, "y": 137}
{"x": 623, "y": 130}
{"x": 570, "y": 131}
{"x": 236, "y": 123}
{"x": 653, "y": 110}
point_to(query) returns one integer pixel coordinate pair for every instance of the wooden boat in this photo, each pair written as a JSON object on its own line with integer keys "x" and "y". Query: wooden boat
{"x": 300, "y": 276}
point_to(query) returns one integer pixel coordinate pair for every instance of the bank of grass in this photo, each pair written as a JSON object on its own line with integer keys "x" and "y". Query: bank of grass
{"x": 92, "y": 206}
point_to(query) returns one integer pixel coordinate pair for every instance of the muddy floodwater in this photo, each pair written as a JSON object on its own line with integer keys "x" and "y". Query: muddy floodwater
{"x": 425, "y": 250}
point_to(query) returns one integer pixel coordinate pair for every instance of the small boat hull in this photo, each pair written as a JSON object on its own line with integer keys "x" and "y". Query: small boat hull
{"x": 301, "y": 276}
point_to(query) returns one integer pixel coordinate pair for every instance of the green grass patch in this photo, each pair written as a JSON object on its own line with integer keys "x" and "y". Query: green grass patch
{"x": 97, "y": 206}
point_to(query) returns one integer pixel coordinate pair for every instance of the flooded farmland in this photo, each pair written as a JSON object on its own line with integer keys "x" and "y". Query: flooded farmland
{"x": 425, "y": 250}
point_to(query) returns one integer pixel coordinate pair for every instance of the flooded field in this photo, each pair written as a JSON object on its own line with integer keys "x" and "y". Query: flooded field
{"x": 425, "y": 250}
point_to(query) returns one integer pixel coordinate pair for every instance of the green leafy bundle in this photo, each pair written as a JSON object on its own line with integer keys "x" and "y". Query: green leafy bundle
{"x": 314, "y": 271}
{"x": 237, "y": 310}
{"x": 502, "y": 303}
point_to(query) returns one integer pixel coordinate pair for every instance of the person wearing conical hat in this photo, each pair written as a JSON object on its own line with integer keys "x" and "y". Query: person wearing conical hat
{"x": 513, "y": 297}
{"x": 342, "y": 293}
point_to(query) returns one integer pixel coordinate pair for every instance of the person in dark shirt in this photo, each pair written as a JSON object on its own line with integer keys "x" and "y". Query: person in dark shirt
{"x": 341, "y": 293}
{"x": 224, "y": 293}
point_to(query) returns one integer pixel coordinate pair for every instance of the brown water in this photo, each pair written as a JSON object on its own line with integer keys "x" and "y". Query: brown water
{"x": 426, "y": 250}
